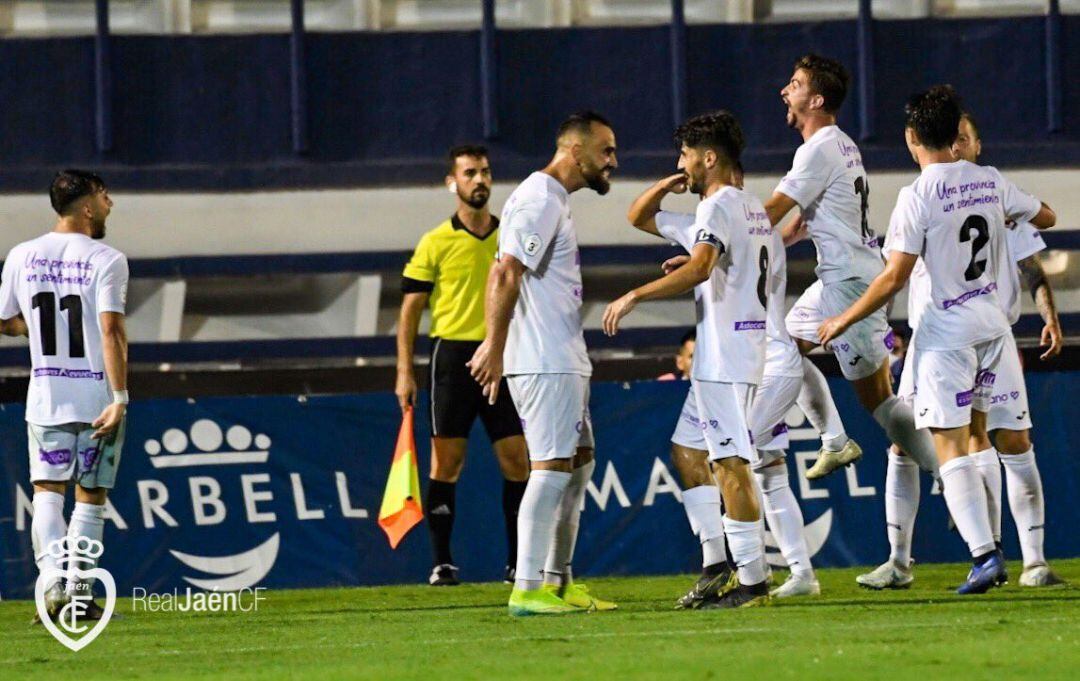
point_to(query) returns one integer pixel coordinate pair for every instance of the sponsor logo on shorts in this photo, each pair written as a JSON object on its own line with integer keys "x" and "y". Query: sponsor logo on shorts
{"x": 69, "y": 373}
{"x": 714, "y": 423}
{"x": 779, "y": 429}
{"x": 855, "y": 361}
{"x": 974, "y": 293}
{"x": 1022, "y": 415}
{"x": 89, "y": 457}
{"x": 749, "y": 326}
{"x": 725, "y": 443}
{"x": 55, "y": 457}
{"x": 985, "y": 378}
{"x": 576, "y": 292}
{"x": 890, "y": 339}
{"x": 965, "y": 398}
{"x": 923, "y": 412}
{"x": 1005, "y": 397}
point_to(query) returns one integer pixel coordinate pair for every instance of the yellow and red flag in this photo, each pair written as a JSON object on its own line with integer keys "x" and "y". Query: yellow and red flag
{"x": 401, "y": 509}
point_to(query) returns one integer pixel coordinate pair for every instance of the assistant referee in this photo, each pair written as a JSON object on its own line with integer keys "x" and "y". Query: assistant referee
{"x": 449, "y": 269}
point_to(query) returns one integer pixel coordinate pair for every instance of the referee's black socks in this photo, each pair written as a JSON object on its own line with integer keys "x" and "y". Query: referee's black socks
{"x": 440, "y": 515}
{"x": 512, "y": 493}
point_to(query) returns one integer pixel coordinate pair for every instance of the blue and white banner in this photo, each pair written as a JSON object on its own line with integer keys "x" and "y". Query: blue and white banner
{"x": 235, "y": 492}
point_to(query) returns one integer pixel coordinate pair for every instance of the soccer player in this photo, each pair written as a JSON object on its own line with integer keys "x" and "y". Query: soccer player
{"x": 1008, "y": 419}
{"x": 684, "y": 358}
{"x": 829, "y": 184}
{"x": 732, "y": 270}
{"x": 534, "y": 336}
{"x": 70, "y": 290}
{"x": 953, "y": 219}
{"x": 449, "y": 270}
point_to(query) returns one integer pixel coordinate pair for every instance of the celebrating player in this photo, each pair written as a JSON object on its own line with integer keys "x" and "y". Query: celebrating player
{"x": 534, "y": 321}
{"x": 450, "y": 267}
{"x": 732, "y": 270}
{"x": 829, "y": 184}
{"x": 1008, "y": 419}
{"x": 70, "y": 288}
{"x": 953, "y": 218}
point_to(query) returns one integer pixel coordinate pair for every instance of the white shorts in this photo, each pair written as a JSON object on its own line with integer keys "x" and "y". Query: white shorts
{"x": 780, "y": 386}
{"x": 66, "y": 453}
{"x": 862, "y": 348}
{"x": 906, "y": 389}
{"x": 723, "y": 409}
{"x": 950, "y": 383}
{"x": 688, "y": 431}
{"x": 554, "y": 412}
{"x": 1009, "y": 401}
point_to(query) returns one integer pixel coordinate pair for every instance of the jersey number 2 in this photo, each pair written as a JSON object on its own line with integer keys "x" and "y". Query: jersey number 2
{"x": 977, "y": 224}
{"x": 46, "y": 302}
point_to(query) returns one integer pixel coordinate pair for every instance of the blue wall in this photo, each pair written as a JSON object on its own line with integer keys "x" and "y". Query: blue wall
{"x": 336, "y": 448}
{"x": 213, "y": 111}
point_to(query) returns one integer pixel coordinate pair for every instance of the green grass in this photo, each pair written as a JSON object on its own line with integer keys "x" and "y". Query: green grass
{"x": 464, "y": 632}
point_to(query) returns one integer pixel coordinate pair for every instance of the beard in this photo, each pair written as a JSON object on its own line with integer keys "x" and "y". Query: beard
{"x": 477, "y": 199}
{"x": 596, "y": 180}
{"x": 97, "y": 229}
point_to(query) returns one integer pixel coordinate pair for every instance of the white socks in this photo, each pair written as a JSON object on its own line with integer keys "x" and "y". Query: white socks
{"x": 898, "y": 420}
{"x": 902, "y": 493}
{"x": 747, "y": 549}
{"x": 785, "y": 518}
{"x": 46, "y": 527}
{"x": 87, "y": 520}
{"x": 1025, "y": 502}
{"x": 703, "y": 510}
{"x": 965, "y": 496}
{"x": 537, "y": 517}
{"x": 989, "y": 469}
{"x": 816, "y": 402}
{"x": 557, "y": 569}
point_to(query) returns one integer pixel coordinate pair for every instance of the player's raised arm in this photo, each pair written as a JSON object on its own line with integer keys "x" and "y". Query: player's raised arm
{"x": 881, "y": 290}
{"x": 643, "y": 210}
{"x": 504, "y": 285}
{"x": 779, "y": 205}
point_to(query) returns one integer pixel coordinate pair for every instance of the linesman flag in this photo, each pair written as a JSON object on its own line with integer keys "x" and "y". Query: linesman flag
{"x": 401, "y": 510}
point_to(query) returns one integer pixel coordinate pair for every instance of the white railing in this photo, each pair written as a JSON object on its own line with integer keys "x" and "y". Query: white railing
{"x": 76, "y": 17}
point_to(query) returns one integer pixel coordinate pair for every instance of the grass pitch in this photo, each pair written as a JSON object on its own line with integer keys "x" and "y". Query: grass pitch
{"x": 402, "y": 632}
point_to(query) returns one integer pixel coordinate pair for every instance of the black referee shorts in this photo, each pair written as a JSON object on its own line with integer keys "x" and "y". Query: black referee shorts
{"x": 457, "y": 399}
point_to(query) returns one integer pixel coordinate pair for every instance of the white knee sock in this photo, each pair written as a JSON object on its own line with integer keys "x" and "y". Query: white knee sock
{"x": 537, "y": 516}
{"x": 46, "y": 527}
{"x": 901, "y": 506}
{"x": 785, "y": 519}
{"x": 898, "y": 420}
{"x": 557, "y": 569}
{"x": 747, "y": 549}
{"x": 703, "y": 510}
{"x": 989, "y": 469}
{"x": 966, "y": 497}
{"x": 87, "y": 520}
{"x": 1026, "y": 503}
{"x": 816, "y": 402}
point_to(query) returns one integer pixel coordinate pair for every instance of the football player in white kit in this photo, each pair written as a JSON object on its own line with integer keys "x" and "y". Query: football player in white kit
{"x": 534, "y": 336}
{"x": 732, "y": 271}
{"x": 828, "y": 183}
{"x": 70, "y": 290}
{"x": 952, "y": 218}
{"x": 780, "y": 385}
{"x": 1008, "y": 419}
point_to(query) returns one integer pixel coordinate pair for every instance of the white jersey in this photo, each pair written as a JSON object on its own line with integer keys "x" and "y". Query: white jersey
{"x": 953, "y": 217}
{"x": 782, "y": 357}
{"x": 828, "y": 181}
{"x": 545, "y": 335}
{"x": 731, "y": 305}
{"x": 1021, "y": 242}
{"x": 61, "y": 283}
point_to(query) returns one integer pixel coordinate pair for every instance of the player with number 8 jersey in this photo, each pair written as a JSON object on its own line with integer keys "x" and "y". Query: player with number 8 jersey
{"x": 67, "y": 290}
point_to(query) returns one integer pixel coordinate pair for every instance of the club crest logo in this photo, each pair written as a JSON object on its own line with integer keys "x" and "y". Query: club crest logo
{"x": 71, "y": 627}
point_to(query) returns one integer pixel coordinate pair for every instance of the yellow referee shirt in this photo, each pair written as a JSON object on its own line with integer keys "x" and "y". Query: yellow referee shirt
{"x": 452, "y": 264}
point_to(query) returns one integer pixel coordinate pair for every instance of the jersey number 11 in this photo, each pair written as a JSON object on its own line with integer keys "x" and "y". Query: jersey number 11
{"x": 46, "y": 302}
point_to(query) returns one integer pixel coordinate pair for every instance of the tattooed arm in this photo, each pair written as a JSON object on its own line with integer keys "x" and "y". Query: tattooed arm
{"x": 1037, "y": 283}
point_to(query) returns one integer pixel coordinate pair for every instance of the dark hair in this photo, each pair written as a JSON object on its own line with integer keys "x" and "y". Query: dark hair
{"x": 828, "y": 78}
{"x": 470, "y": 150}
{"x": 68, "y": 186}
{"x": 971, "y": 120}
{"x": 719, "y": 131}
{"x": 690, "y": 335}
{"x": 934, "y": 115}
{"x": 581, "y": 122}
